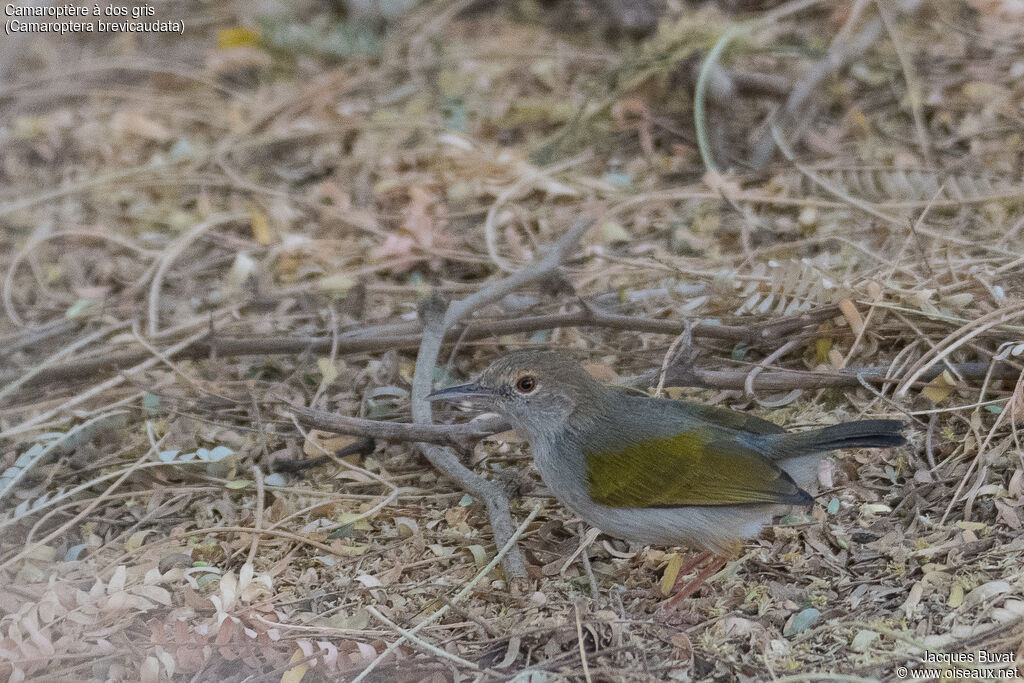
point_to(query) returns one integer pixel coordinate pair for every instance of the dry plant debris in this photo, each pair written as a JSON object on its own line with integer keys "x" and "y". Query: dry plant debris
{"x": 213, "y": 242}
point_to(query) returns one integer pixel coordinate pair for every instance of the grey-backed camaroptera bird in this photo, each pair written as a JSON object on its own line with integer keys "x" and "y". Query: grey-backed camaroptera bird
{"x": 658, "y": 471}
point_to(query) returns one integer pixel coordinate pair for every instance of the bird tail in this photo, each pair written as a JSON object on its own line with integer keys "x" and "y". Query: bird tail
{"x": 863, "y": 434}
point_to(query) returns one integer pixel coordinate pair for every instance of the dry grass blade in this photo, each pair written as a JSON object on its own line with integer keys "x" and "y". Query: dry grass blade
{"x": 505, "y": 549}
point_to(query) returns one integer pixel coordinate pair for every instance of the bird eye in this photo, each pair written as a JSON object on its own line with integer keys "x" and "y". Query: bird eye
{"x": 526, "y": 384}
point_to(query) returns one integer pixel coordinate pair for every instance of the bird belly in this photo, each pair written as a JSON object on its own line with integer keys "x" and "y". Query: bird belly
{"x": 717, "y": 529}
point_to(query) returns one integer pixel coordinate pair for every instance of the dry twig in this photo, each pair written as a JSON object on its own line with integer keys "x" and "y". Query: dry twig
{"x": 408, "y": 336}
{"x": 843, "y": 50}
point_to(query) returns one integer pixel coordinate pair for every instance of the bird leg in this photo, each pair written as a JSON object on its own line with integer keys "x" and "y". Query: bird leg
{"x": 700, "y": 559}
{"x": 712, "y": 568}
{"x": 585, "y": 541}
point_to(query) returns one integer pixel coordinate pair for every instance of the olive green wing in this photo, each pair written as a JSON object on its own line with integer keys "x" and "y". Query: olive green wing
{"x": 732, "y": 419}
{"x": 691, "y": 468}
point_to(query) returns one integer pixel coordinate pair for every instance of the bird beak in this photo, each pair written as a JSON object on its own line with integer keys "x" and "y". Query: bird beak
{"x": 472, "y": 390}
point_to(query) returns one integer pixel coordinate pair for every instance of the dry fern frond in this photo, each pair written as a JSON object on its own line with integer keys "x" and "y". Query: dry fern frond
{"x": 888, "y": 184}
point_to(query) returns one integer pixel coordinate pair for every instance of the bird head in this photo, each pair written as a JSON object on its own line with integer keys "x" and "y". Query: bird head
{"x": 535, "y": 390}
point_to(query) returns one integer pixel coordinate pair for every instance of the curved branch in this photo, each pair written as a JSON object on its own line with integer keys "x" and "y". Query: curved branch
{"x": 437, "y": 318}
